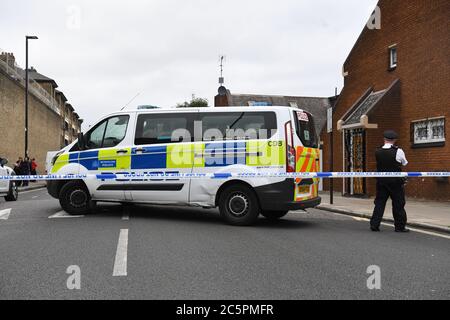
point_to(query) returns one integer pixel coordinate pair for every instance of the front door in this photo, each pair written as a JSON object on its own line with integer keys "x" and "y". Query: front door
{"x": 355, "y": 159}
{"x": 108, "y": 151}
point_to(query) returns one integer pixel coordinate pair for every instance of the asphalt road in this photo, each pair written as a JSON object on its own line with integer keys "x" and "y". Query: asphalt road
{"x": 188, "y": 253}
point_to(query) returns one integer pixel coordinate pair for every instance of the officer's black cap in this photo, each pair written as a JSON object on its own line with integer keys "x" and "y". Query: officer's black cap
{"x": 390, "y": 135}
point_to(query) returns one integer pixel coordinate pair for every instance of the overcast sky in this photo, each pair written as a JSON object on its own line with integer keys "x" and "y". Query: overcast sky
{"x": 103, "y": 53}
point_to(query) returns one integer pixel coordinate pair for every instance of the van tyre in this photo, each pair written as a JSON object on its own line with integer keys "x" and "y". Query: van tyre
{"x": 75, "y": 199}
{"x": 274, "y": 215}
{"x": 13, "y": 193}
{"x": 238, "y": 205}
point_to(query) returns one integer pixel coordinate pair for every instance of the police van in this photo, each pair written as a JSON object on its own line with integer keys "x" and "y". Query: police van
{"x": 140, "y": 143}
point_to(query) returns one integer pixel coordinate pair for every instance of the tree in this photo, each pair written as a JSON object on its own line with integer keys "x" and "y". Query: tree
{"x": 194, "y": 103}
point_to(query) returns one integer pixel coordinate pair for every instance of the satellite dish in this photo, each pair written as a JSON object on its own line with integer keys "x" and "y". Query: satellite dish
{"x": 222, "y": 91}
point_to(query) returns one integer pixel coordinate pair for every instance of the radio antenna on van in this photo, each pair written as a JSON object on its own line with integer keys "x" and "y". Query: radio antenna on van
{"x": 130, "y": 101}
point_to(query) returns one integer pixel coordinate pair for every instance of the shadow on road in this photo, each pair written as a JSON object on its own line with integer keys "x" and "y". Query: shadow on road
{"x": 190, "y": 214}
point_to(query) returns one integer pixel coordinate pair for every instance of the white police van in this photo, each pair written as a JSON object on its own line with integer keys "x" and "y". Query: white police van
{"x": 191, "y": 141}
{"x": 8, "y": 189}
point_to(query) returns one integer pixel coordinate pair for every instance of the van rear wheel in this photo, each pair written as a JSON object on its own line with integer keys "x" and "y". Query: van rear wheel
{"x": 238, "y": 205}
{"x": 274, "y": 215}
{"x": 75, "y": 199}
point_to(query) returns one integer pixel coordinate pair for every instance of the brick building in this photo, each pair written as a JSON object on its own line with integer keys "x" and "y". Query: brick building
{"x": 53, "y": 123}
{"x": 317, "y": 106}
{"x": 397, "y": 77}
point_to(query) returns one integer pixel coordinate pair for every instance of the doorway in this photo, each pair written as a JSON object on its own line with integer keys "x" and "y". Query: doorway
{"x": 355, "y": 160}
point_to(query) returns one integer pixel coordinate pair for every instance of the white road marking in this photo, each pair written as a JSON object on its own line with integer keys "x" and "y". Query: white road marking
{"x": 4, "y": 214}
{"x": 126, "y": 214}
{"x": 34, "y": 190}
{"x": 120, "y": 263}
{"x": 63, "y": 214}
{"x": 431, "y": 233}
{"x": 359, "y": 219}
{"x": 34, "y": 197}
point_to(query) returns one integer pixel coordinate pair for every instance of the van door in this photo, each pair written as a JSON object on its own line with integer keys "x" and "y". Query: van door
{"x": 307, "y": 155}
{"x": 108, "y": 150}
{"x": 163, "y": 143}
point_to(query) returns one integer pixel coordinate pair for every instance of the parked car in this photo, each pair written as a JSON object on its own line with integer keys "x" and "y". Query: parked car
{"x": 8, "y": 189}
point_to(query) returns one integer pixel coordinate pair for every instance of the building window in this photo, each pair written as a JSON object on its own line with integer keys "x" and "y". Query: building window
{"x": 393, "y": 57}
{"x": 429, "y": 132}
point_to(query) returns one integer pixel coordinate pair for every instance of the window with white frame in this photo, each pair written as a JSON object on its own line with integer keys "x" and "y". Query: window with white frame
{"x": 429, "y": 131}
{"x": 393, "y": 57}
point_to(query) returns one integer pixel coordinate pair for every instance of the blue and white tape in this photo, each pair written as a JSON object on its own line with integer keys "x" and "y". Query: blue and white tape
{"x": 230, "y": 175}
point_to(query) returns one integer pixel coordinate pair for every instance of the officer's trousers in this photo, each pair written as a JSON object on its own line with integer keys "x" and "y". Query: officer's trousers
{"x": 396, "y": 191}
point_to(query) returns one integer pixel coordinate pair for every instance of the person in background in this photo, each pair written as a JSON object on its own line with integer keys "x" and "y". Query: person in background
{"x": 390, "y": 158}
{"x": 25, "y": 170}
{"x": 17, "y": 170}
{"x": 33, "y": 168}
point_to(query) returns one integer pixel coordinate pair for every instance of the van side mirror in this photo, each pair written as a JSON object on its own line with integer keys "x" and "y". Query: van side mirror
{"x": 81, "y": 142}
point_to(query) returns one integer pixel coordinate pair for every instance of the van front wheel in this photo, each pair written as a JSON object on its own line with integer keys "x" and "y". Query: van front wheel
{"x": 238, "y": 205}
{"x": 74, "y": 198}
{"x": 274, "y": 215}
{"x": 13, "y": 193}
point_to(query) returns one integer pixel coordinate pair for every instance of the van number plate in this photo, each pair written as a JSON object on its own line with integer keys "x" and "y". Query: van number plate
{"x": 303, "y": 189}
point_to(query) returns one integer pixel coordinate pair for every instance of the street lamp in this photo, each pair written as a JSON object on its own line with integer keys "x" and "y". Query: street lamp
{"x": 26, "y": 91}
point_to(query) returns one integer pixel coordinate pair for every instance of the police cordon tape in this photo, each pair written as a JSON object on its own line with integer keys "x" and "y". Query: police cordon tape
{"x": 226, "y": 175}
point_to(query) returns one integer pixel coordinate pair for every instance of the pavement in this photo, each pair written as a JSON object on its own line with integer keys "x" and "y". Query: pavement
{"x": 33, "y": 186}
{"x": 421, "y": 214}
{"x": 154, "y": 252}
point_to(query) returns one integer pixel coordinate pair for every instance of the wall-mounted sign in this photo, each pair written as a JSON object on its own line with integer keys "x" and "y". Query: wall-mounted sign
{"x": 330, "y": 120}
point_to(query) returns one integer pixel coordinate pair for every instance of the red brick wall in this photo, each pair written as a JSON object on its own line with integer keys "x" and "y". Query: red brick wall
{"x": 420, "y": 30}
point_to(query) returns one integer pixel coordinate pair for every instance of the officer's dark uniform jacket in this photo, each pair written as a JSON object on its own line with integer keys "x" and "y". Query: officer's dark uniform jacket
{"x": 387, "y": 162}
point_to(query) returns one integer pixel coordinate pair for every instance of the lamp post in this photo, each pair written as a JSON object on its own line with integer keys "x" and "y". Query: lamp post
{"x": 26, "y": 91}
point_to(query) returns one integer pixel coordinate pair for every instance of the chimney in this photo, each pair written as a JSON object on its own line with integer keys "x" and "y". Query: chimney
{"x": 8, "y": 57}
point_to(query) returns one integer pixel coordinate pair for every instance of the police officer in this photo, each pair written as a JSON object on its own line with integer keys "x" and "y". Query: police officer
{"x": 390, "y": 158}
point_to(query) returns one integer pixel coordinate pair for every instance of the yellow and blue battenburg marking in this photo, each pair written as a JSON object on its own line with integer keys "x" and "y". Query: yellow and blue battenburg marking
{"x": 177, "y": 156}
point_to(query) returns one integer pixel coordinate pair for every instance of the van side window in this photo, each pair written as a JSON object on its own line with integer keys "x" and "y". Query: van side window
{"x": 238, "y": 125}
{"x": 108, "y": 133}
{"x": 304, "y": 126}
{"x": 163, "y": 128}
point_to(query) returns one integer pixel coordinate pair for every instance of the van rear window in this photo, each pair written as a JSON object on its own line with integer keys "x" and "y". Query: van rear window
{"x": 304, "y": 126}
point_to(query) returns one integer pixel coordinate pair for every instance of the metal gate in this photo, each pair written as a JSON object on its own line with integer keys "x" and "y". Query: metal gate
{"x": 355, "y": 159}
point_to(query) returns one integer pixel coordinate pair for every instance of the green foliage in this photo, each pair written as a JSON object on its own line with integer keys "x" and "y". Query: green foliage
{"x": 194, "y": 103}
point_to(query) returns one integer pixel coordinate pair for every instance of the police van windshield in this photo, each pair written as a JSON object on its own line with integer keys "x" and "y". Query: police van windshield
{"x": 304, "y": 126}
